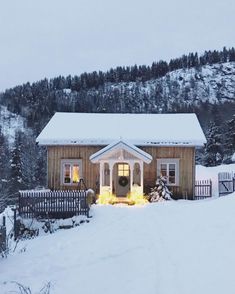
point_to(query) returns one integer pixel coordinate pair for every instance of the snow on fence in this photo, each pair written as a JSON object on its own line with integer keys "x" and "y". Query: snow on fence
{"x": 226, "y": 182}
{"x": 53, "y": 204}
{"x": 203, "y": 189}
{"x": 3, "y": 235}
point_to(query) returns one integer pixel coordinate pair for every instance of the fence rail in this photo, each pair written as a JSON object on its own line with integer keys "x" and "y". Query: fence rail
{"x": 53, "y": 204}
{"x": 226, "y": 182}
{"x": 203, "y": 189}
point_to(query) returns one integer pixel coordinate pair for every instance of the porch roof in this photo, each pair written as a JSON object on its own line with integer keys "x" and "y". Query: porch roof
{"x": 118, "y": 146}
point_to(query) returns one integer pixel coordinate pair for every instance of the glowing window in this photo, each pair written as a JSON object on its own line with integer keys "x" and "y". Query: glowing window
{"x": 75, "y": 173}
{"x": 70, "y": 171}
{"x": 123, "y": 170}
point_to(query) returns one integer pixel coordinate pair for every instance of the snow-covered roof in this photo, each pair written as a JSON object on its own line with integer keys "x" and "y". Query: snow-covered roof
{"x": 120, "y": 146}
{"x": 137, "y": 129}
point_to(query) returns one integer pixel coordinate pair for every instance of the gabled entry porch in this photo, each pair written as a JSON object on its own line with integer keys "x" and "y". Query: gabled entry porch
{"x": 121, "y": 169}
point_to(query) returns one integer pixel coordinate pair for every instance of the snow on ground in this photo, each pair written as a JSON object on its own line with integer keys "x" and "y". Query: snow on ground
{"x": 175, "y": 247}
{"x": 204, "y": 173}
{"x": 168, "y": 248}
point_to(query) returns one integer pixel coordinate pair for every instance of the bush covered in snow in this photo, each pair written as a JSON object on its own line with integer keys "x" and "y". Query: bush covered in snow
{"x": 30, "y": 228}
{"x": 160, "y": 192}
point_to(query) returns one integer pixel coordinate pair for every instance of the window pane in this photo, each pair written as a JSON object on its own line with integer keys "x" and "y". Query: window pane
{"x": 75, "y": 173}
{"x": 163, "y": 170}
{"x": 67, "y": 173}
{"x": 126, "y": 173}
{"x": 172, "y": 173}
{"x": 171, "y": 179}
{"x": 123, "y": 170}
{"x": 126, "y": 167}
{"x": 120, "y": 172}
{"x": 171, "y": 166}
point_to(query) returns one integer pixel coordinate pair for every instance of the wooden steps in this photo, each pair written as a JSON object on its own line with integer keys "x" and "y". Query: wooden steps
{"x": 123, "y": 200}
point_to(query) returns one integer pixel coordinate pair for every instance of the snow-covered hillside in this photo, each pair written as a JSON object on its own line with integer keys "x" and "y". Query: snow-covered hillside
{"x": 214, "y": 83}
{"x": 168, "y": 248}
{"x": 209, "y": 83}
{"x": 10, "y": 123}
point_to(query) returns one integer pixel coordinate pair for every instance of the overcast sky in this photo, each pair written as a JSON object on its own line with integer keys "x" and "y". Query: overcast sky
{"x": 46, "y": 38}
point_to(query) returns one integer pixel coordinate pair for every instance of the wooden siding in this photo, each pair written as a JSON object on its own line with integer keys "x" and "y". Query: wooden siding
{"x": 186, "y": 157}
{"x": 90, "y": 171}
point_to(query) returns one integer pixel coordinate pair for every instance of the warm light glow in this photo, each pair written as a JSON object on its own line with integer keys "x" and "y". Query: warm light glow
{"x": 134, "y": 197}
{"x": 137, "y": 198}
{"x": 75, "y": 173}
{"x": 123, "y": 170}
{"x": 106, "y": 198}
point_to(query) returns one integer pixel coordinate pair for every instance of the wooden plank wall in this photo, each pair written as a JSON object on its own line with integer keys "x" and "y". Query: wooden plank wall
{"x": 91, "y": 171}
{"x": 186, "y": 168}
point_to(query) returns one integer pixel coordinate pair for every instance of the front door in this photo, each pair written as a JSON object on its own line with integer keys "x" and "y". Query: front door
{"x": 123, "y": 179}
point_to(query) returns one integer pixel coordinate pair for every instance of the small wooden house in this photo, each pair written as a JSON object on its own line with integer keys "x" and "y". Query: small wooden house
{"x": 122, "y": 153}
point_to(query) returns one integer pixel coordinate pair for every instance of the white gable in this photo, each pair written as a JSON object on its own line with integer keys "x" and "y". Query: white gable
{"x": 137, "y": 129}
{"x": 118, "y": 149}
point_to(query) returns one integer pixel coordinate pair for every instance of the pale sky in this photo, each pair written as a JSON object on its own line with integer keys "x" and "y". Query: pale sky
{"x": 47, "y": 38}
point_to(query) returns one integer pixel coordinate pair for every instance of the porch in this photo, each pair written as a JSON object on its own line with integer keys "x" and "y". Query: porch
{"x": 121, "y": 173}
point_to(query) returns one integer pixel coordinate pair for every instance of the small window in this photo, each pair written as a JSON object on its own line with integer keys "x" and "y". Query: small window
{"x": 123, "y": 170}
{"x": 70, "y": 171}
{"x": 164, "y": 169}
{"x": 171, "y": 173}
{"x": 169, "y": 168}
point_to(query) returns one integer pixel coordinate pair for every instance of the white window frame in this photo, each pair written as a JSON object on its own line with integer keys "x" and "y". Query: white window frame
{"x": 71, "y": 162}
{"x": 169, "y": 161}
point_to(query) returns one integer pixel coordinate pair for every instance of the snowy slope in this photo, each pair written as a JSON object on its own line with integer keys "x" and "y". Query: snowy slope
{"x": 168, "y": 248}
{"x": 209, "y": 83}
{"x": 205, "y": 82}
{"x": 10, "y": 123}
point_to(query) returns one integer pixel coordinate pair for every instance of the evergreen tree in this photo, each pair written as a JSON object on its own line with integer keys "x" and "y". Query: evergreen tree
{"x": 16, "y": 176}
{"x": 4, "y": 169}
{"x": 213, "y": 150}
{"x": 229, "y": 139}
{"x": 160, "y": 192}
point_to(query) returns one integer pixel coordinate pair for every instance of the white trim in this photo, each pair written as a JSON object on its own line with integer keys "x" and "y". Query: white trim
{"x": 168, "y": 161}
{"x": 71, "y": 162}
{"x": 121, "y": 145}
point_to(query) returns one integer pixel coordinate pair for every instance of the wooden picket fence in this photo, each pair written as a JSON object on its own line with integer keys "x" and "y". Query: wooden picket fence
{"x": 226, "y": 182}
{"x": 53, "y": 204}
{"x": 203, "y": 189}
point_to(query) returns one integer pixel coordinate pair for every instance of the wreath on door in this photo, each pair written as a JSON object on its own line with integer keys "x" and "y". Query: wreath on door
{"x": 123, "y": 181}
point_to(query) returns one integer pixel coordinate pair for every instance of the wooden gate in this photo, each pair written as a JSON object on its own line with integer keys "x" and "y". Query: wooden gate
{"x": 226, "y": 182}
{"x": 203, "y": 189}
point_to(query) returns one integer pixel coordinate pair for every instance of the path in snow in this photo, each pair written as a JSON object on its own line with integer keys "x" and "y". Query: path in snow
{"x": 167, "y": 248}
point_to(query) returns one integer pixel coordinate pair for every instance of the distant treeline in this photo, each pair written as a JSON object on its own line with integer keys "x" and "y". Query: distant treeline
{"x": 38, "y": 101}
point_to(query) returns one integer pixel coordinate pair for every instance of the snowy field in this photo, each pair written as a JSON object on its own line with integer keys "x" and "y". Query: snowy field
{"x": 176, "y": 247}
